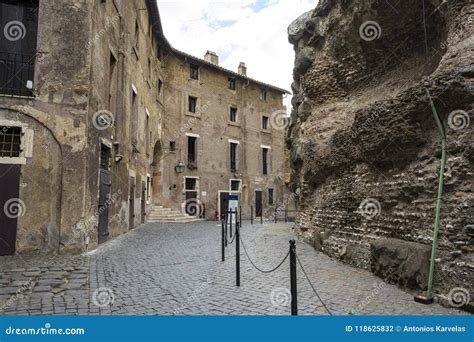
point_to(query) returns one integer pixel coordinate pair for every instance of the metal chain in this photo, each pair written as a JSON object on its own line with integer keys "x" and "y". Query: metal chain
{"x": 309, "y": 281}
{"x": 255, "y": 266}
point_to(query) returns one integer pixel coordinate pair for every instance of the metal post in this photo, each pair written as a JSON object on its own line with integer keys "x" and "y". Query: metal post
{"x": 237, "y": 255}
{"x": 240, "y": 217}
{"x": 286, "y": 214}
{"x": 275, "y": 214}
{"x": 294, "y": 291}
{"x": 226, "y": 223}
{"x": 223, "y": 239}
{"x": 231, "y": 213}
{"x": 261, "y": 217}
{"x": 251, "y": 215}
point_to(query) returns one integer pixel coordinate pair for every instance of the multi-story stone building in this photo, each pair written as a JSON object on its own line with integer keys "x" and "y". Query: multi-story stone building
{"x": 101, "y": 119}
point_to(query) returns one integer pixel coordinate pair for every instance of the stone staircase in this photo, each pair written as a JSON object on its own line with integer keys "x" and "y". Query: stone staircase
{"x": 161, "y": 214}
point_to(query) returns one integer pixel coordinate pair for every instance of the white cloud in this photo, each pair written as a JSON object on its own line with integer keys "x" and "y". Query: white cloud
{"x": 250, "y": 31}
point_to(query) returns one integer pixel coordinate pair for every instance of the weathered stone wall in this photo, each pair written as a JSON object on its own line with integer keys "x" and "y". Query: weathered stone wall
{"x": 365, "y": 148}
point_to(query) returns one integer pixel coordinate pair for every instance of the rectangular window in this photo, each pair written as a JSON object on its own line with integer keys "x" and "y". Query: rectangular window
{"x": 17, "y": 54}
{"x": 265, "y": 121}
{"x": 265, "y": 160}
{"x": 10, "y": 141}
{"x": 235, "y": 185}
{"x": 148, "y": 188}
{"x": 192, "y": 104}
{"x": 112, "y": 82}
{"x": 134, "y": 118}
{"x": 263, "y": 94}
{"x": 233, "y": 157}
{"x": 104, "y": 157}
{"x": 270, "y": 196}
{"x": 231, "y": 83}
{"x": 192, "y": 150}
{"x": 147, "y": 135}
{"x": 172, "y": 146}
{"x": 190, "y": 184}
{"x": 194, "y": 71}
{"x": 233, "y": 114}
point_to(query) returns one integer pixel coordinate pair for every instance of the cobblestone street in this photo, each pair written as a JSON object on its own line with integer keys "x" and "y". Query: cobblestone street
{"x": 175, "y": 269}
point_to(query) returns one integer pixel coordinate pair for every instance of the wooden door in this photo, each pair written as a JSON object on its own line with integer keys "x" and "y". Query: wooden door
{"x": 10, "y": 207}
{"x": 258, "y": 203}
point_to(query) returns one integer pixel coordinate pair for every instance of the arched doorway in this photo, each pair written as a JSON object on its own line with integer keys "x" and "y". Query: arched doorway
{"x": 157, "y": 157}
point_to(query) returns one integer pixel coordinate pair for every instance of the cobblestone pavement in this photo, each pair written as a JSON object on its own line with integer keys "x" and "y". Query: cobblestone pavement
{"x": 176, "y": 269}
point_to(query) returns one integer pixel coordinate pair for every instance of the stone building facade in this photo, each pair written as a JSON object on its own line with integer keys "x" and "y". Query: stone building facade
{"x": 88, "y": 100}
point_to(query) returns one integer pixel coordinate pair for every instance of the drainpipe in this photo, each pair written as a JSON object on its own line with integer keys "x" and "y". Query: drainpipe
{"x": 429, "y": 292}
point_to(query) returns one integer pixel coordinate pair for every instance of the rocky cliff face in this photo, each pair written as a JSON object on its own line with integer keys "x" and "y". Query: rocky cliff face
{"x": 365, "y": 148}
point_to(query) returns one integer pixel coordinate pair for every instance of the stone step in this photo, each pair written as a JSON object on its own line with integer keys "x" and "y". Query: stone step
{"x": 175, "y": 220}
{"x": 177, "y": 215}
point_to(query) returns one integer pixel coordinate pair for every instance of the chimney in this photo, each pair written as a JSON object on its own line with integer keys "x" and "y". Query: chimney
{"x": 211, "y": 57}
{"x": 242, "y": 69}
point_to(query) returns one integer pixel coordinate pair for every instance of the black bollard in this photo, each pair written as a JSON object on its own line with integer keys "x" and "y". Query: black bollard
{"x": 286, "y": 214}
{"x": 223, "y": 239}
{"x": 251, "y": 215}
{"x": 237, "y": 255}
{"x": 294, "y": 291}
{"x": 275, "y": 215}
{"x": 261, "y": 217}
{"x": 230, "y": 227}
{"x": 226, "y": 223}
{"x": 240, "y": 217}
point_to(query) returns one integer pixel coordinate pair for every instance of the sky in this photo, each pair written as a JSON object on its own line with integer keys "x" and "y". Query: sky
{"x": 249, "y": 31}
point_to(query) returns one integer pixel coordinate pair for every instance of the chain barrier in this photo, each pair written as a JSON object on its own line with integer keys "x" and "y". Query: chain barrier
{"x": 311, "y": 284}
{"x": 255, "y": 266}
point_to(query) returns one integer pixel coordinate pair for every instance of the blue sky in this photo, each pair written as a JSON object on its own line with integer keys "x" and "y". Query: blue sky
{"x": 250, "y": 31}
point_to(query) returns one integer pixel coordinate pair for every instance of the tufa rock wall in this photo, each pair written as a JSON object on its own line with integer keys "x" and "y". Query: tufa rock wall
{"x": 365, "y": 148}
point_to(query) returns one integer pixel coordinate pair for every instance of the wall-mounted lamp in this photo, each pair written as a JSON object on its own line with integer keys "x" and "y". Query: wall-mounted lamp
{"x": 179, "y": 168}
{"x": 118, "y": 158}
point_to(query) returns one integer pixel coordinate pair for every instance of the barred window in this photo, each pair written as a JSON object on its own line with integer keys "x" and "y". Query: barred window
{"x": 10, "y": 141}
